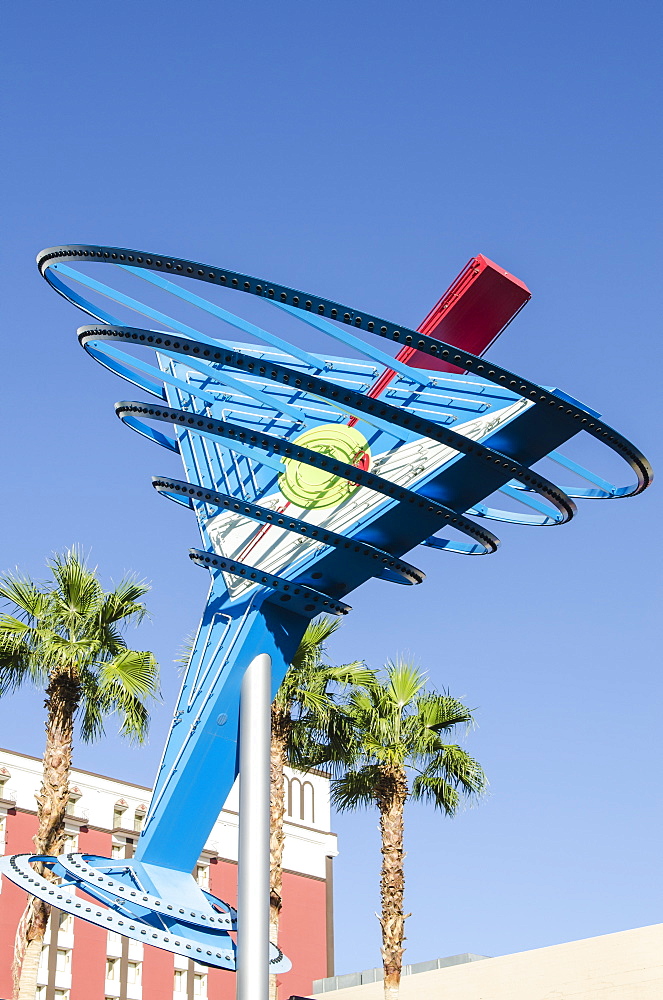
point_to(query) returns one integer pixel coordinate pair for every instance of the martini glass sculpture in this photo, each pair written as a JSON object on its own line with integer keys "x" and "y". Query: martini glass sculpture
{"x": 309, "y": 473}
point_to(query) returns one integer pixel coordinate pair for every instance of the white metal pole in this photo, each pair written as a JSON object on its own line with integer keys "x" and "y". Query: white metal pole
{"x": 253, "y": 858}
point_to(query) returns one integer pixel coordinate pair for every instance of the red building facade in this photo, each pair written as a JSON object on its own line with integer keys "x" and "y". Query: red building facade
{"x": 83, "y": 962}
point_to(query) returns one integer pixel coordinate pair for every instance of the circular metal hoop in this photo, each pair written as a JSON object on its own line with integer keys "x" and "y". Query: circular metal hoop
{"x": 203, "y": 937}
{"x": 327, "y": 390}
{"x": 262, "y": 440}
{"x": 248, "y": 284}
{"x": 392, "y": 569}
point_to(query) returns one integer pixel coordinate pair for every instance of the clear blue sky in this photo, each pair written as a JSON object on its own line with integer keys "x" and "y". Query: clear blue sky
{"x": 366, "y": 150}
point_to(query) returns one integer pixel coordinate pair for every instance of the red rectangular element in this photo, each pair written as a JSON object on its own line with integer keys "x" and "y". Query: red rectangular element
{"x": 88, "y": 968}
{"x": 21, "y": 827}
{"x": 471, "y": 314}
{"x": 158, "y": 974}
{"x": 303, "y": 933}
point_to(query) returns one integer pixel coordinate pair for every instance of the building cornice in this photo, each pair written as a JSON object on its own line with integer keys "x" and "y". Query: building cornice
{"x": 122, "y": 781}
{"x": 80, "y": 770}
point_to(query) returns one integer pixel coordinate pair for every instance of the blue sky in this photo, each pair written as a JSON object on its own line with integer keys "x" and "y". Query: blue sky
{"x": 365, "y": 151}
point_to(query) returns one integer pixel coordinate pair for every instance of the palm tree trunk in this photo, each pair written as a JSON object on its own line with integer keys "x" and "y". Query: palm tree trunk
{"x": 27, "y": 986}
{"x": 276, "y": 835}
{"x": 63, "y": 693}
{"x": 392, "y": 881}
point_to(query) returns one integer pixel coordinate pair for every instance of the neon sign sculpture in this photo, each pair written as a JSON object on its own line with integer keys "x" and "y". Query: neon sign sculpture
{"x": 309, "y": 474}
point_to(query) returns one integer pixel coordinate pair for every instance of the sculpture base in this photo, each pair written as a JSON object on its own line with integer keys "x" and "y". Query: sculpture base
{"x": 115, "y": 897}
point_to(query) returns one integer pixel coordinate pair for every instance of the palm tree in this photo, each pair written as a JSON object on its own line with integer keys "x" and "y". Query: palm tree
{"x": 304, "y": 717}
{"x": 65, "y": 635}
{"x": 396, "y": 754}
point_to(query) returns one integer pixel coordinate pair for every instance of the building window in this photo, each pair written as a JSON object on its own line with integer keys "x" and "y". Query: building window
{"x": 72, "y": 808}
{"x": 139, "y": 816}
{"x": 133, "y": 973}
{"x": 308, "y": 804}
{"x": 113, "y": 969}
{"x": 6, "y": 793}
{"x": 60, "y": 995}
{"x": 202, "y": 876}
{"x": 63, "y": 960}
{"x": 179, "y": 983}
{"x": 65, "y": 922}
{"x": 294, "y": 786}
{"x": 117, "y": 851}
{"x": 41, "y": 993}
{"x": 43, "y": 959}
{"x": 114, "y": 940}
{"x": 70, "y": 843}
{"x": 300, "y": 801}
{"x": 199, "y": 984}
{"x": 9, "y": 794}
{"x": 118, "y": 814}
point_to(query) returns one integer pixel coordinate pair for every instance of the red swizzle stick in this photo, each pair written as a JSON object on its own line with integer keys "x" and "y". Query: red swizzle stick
{"x": 471, "y": 314}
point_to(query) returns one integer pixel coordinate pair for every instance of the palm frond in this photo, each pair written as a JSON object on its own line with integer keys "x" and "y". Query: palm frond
{"x": 64, "y": 653}
{"x": 15, "y": 673}
{"x": 92, "y": 709}
{"x": 383, "y": 750}
{"x": 111, "y": 640}
{"x": 135, "y": 720}
{"x": 355, "y": 674}
{"x": 405, "y": 681}
{"x": 442, "y": 712}
{"x": 9, "y": 625}
{"x": 183, "y": 658}
{"x": 356, "y": 788}
{"x": 308, "y": 709}
{"x": 123, "y": 604}
{"x": 312, "y": 647}
{"x": 333, "y": 746}
{"x": 437, "y": 791}
{"x": 459, "y": 768}
{"x": 309, "y": 671}
{"x": 136, "y": 671}
{"x": 114, "y": 698}
{"x": 77, "y": 588}
{"x": 28, "y": 600}
{"x": 19, "y": 654}
{"x": 130, "y": 590}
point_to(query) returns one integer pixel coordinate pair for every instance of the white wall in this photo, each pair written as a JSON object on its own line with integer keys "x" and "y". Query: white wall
{"x": 623, "y": 966}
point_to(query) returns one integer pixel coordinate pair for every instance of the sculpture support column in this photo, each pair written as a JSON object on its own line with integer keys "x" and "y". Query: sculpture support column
{"x": 253, "y": 874}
